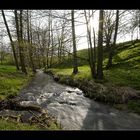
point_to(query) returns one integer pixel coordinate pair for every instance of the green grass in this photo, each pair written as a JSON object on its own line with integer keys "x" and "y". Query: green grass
{"x": 123, "y": 77}
{"x": 125, "y": 70}
{"x": 84, "y": 72}
{"x": 11, "y": 81}
{"x": 7, "y": 69}
{"x": 11, "y": 125}
{"x": 7, "y": 125}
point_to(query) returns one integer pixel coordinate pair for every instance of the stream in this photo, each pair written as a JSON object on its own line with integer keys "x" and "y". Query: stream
{"x": 72, "y": 110}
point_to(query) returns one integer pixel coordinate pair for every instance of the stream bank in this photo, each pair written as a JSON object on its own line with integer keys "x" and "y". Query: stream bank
{"x": 123, "y": 98}
{"x": 71, "y": 109}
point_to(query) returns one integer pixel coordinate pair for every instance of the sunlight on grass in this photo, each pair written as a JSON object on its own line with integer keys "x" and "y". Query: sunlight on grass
{"x": 11, "y": 81}
{"x": 125, "y": 72}
{"x": 129, "y": 53}
{"x": 84, "y": 72}
{"x": 7, "y": 69}
{"x": 123, "y": 77}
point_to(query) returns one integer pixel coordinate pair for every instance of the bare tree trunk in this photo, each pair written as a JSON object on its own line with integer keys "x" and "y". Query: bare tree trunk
{"x": 38, "y": 49}
{"x": 30, "y": 44}
{"x": 52, "y": 50}
{"x": 94, "y": 40}
{"x": 62, "y": 54}
{"x": 100, "y": 46}
{"x": 91, "y": 55}
{"x": 12, "y": 43}
{"x": 49, "y": 40}
{"x": 111, "y": 51}
{"x": 47, "y": 55}
{"x": 59, "y": 56}
{"x": 30, "y": 27}
{"x": 20, "y": 41}
{"x": 75, "y": 66}
{"x": 43, "y": 55}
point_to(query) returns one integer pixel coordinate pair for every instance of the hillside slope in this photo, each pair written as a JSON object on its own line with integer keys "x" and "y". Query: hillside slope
{"x": 124, "y": 75}
{"x": 125, "y": 70}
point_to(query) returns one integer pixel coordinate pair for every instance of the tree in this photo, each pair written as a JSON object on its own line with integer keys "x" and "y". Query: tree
{"x": 19, "y": 27}
{"x": 2, "y": 49}
{"x": 10, "y": 37}
{"x": 109, "y": 25}
{"x": 61, "y": 38}
{"x": 111, "y": 50}
{"x": 75, "y": 66}
{"x": 52, "y": 43}
{"x": 135, "y": 22}
{"x": 49, "y": 38}
{"x": 30, "y": 43}
{"x": 100, "y": 46}
{"x": 90, "y": 51}
{"x": 94, "y": 50}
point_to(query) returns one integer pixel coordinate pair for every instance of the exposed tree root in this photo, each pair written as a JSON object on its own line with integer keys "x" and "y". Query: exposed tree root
{"x": 14, "y": 104}
{"x": 42, "y": 120}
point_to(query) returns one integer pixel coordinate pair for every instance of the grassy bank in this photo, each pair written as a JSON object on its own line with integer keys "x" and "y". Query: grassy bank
{"x": 11, "y": 125}
{"x": 7, "y": 125}
{"x": 11, "y": 81}
{"x": 124, "y": 76}
{"x": 123, "y": 98}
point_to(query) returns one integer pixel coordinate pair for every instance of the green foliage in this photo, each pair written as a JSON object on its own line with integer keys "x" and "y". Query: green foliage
{"x": 65, "y": 64}
{"x": 8, "y": 59}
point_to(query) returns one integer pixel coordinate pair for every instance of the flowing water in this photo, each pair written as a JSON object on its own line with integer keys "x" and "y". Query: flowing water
{"x": 72, "y": 110}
